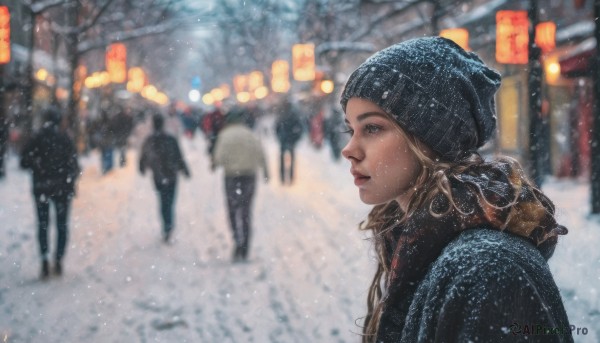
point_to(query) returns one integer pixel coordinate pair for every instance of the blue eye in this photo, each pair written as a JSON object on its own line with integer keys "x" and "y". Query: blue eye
{"x": 371, "y": 129}
{"x": 348, "y": 131}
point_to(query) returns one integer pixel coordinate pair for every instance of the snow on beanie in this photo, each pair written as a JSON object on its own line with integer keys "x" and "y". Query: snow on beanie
{"x": 434, "y": 89}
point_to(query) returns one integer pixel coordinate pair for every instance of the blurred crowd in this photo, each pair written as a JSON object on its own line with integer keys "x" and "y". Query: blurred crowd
{"x": 233, "y": 143}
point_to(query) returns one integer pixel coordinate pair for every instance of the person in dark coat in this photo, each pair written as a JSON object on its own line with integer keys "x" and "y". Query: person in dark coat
{"x": 288, "y": 128}
{"x": 462, "y": 243}
{"x": 333, "y": 127}
{"x": 4, "y": 129}
{"x": 161, "y": 153}
{"x": 51, "y": 156}
{"x": 105, "y": 137}
{"x": 121, "y": 127}
{"x": 212, "y": 123}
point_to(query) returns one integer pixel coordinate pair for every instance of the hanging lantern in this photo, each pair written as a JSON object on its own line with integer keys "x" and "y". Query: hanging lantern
{"x": 256, "y": 85}
{"x": 327, "y": 86}
{"x": 4, "y": 35}
{"x": 116, "y": 62}
{"x": 280, "y": 76}
{"x": 545, "y": 36}
{"x": 255, "y": 80}
{"x": 136, "y": 79}
{"x": 240, "y": 84}
{"x": 303, "y": 62}
{"x": 217, "y": 94}
{"x": 459, "y": 36}
{"x": 225, "y": 90}
{"x": 512, "y": 37}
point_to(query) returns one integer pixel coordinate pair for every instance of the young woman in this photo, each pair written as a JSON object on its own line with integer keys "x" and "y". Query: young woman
{"x": 462, "y": 243}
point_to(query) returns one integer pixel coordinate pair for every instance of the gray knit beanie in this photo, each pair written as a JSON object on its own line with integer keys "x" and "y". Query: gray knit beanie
{"x": 436, "y": 91}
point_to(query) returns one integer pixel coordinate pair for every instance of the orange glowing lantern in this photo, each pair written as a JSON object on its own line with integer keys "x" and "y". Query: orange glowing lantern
{"x": 225, "y": 90}
{"x": 280, "y": 76}
{"x": 240, "y": 83}
{"x": 512, "y": 37}
{"x": 458, "y": 35}
{"x": 303, "y": 62}
{"x": 137, "y": 79}
{"x": 4, "y": 35}
{"x": 255, "y": 80}
{"x": 116, "y": 62}
{"x": 545, "y": 36}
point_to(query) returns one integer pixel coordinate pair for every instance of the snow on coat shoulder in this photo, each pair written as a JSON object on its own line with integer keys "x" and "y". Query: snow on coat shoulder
{"x": 484, "y": 286}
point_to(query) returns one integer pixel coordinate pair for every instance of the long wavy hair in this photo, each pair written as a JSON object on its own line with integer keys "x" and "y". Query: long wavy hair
{"x": 432, "y": 180}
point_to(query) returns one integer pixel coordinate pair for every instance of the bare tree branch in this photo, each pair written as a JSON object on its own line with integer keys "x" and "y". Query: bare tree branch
{"x": 42, "y": 6}
{"x": 92, "y": 21}
{"x": 344, "y": 46}
{"x": 375, "y": 22}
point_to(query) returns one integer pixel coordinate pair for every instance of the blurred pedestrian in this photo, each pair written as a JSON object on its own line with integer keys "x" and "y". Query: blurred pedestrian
{"x": 121, "y": 127}
{"x": 240, "y": 154}
{"x": 161, "y": 153}
{"x": 316, "y": 129}
{"x": 333, "y": 127}
{"x": 462, "y": 243}
{"x": 190, "y": 122}
{"x": 173, "y": 122}
{"x": 4, "y": 128}
{"x": 288, "y": 128}
{"x": 106, "y": 142}
{"x": 212, "y": 123}
{"x": 50, "y": 154}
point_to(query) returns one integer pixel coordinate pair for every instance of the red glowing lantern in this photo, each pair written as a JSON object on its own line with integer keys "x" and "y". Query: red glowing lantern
{"x": 116, "y": 62}
{"x": 545, "y": 36}
{"x": 4, "y": 35}
{"x": 512, "y": 37}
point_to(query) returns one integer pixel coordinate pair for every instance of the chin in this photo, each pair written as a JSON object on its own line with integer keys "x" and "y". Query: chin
{"x": 371, "y": 199}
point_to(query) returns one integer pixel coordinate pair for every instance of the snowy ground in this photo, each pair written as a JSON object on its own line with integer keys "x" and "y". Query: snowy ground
{"x": 306, "y": 280}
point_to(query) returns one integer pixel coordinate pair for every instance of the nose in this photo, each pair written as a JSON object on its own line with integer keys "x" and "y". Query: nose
{"x": 352, "y": 150}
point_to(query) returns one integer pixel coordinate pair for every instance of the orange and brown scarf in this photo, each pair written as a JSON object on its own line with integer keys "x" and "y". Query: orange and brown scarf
{"x": 491, "y": 195}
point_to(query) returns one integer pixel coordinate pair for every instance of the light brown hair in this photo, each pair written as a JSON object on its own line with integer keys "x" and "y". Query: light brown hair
{"x": 432, "y": 180}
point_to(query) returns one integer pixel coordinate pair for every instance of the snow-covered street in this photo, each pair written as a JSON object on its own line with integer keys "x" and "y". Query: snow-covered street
{"x": 306, "y": 280}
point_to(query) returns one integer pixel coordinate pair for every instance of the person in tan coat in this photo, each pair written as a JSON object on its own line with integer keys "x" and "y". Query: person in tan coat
{"x": 241, "y": 155}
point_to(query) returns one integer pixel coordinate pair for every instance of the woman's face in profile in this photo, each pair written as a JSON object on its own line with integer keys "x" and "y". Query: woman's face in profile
{"x": 383, "y": 166}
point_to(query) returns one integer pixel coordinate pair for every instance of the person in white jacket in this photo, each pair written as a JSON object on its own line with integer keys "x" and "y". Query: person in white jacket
{"x": 241, "y": 155}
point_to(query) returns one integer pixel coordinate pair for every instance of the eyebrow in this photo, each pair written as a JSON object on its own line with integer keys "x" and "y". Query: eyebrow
{"x": 366, "y": 115}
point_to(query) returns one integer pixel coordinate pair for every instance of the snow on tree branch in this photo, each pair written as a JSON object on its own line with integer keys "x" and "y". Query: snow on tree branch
{"x": 344, "y": 46}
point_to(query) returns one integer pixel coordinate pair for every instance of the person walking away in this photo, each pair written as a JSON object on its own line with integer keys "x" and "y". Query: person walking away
{"x": 288, "y": 128}
{"x": 212, "y": 123}
{"x": 122, "y": 125}
{"x": 240, "y": 154}
{"x": 161, "y": 154}
{"x": 106, "y": 142}
{"x": 462, "y": 243}
{"x": 4, "y": 129}
{"x": 51, "y": 156}
{"x": 333, "y": 127}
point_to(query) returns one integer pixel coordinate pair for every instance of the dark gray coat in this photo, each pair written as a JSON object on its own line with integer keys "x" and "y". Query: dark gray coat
{"x": 51, "y": 156}
{"x": 161, "y": 153}
{"x": 486, "y": 286}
